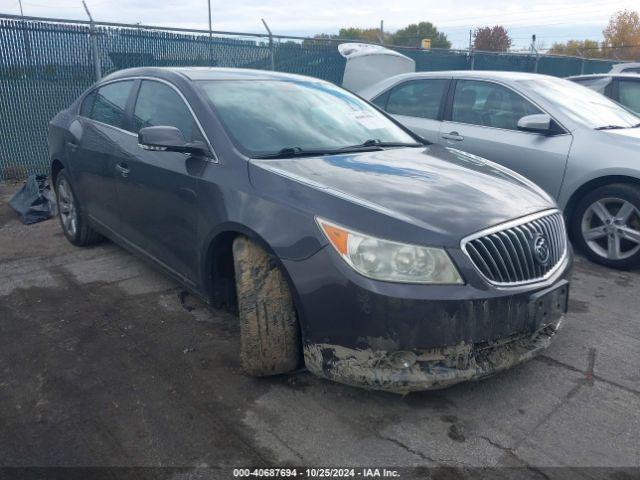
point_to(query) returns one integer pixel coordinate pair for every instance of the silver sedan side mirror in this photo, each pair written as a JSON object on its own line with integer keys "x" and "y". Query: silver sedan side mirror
{"x": 538, "y": 123}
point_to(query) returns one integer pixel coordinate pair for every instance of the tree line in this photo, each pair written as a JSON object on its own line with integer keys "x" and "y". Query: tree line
{"x": 621, "y": 38}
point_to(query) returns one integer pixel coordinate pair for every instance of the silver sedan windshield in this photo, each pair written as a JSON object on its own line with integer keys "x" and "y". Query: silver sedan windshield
{"x": 581, "y": 104}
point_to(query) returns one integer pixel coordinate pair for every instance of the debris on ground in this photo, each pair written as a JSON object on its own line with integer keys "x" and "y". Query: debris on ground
{"x": 35, "y": 201}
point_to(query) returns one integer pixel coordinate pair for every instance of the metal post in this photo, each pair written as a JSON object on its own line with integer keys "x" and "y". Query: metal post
{"x": 472, "y": 57}
{"x": 210, "y": 34}
{"x": 271, "y": 52}
{"x": 381, "y": 32}
{"x": 20, "y": 3}
{"x": 582, "y": 60}
{"x": 94, "y": 43}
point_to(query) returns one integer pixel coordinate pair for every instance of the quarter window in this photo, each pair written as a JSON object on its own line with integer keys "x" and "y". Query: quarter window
{"x": 160, "y": 105}
{"x": 489, "y": 105}
{"x": 110, "y": 103}
{"x": 629, "y": 94}
{"x": 417, "y": 98}
{"x": 87, "y": 104}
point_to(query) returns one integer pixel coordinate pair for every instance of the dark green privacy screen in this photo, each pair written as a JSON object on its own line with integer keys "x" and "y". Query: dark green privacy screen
{"x": 45, "y": 65}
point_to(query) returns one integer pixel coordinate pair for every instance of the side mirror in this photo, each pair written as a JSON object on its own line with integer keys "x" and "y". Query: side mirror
{"x": 538, "y": 123}
{"x": 168, "y": 139}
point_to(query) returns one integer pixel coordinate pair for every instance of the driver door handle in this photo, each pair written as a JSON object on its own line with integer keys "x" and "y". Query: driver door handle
{"x": 123, "y": 168}
{"x": 455, "y": 136}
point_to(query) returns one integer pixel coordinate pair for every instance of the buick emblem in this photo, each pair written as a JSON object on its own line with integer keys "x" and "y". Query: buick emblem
{"x": 541, "y": 249}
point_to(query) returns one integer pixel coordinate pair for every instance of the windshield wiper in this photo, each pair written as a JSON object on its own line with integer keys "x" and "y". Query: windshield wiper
{"x": 374, "y": 142}
{"x": 291, "y": 152}
{"x": 368, "y": 146}
{"x": 611, "y": 127}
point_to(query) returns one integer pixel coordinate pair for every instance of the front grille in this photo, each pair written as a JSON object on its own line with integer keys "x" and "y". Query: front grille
{"x": 515, "y": 253}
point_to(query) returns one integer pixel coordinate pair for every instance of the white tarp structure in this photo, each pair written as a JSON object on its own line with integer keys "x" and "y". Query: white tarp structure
{"x": 369, "y": 64}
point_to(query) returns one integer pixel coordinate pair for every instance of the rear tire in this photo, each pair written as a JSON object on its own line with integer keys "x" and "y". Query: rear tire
{"x": 72, "y": 220}
{"x": 269, "y": 331}
{"x": 606, "y": 226}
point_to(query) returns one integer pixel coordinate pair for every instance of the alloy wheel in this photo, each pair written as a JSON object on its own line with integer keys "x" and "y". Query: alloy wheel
{"x": 67, "y": 207}
{"x": 611, "y": 228}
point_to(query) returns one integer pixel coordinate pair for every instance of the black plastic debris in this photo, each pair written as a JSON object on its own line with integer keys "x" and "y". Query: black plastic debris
{"x": 35, "y": 201}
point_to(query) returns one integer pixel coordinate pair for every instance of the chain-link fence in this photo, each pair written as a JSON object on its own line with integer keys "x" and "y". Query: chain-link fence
{"x": 45, "y": 64}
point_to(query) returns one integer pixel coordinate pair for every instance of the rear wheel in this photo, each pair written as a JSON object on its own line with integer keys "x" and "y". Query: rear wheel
{"x": 606, "y": 225}
{"x": 74, "y": 225}
{"x": 269, "y": 332}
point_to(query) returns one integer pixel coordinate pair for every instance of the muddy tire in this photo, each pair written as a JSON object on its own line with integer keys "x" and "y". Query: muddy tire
{"x": 269, "y": 332}
{"x": 72, "y": 219}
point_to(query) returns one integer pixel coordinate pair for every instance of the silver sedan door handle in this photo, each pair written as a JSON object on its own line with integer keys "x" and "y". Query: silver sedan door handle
{"x": 455, "y": 136}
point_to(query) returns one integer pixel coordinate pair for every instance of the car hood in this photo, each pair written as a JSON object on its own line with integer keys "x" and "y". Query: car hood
{"x": 444, "y": 190}
{"x": 627, "y": 135}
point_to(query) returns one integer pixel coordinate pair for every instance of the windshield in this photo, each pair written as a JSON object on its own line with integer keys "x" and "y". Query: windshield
{"x": 582, "y": 104}
{"x": 264, "y": 117}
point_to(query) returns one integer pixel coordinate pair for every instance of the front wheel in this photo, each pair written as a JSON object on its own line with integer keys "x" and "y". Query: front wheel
{"x": 269, "y": 332}
{"x": 606, "y": 226}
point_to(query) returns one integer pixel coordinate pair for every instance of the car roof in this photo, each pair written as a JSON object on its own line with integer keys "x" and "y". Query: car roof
{"x": 606, "y": 75}
{"x": 485, "y": 74}
{"x": 618, "y": 67}
{"x": 209, "y": 73}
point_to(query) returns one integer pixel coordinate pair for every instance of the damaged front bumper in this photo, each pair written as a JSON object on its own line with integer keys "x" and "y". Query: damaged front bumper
{"x": 407, "y": 371}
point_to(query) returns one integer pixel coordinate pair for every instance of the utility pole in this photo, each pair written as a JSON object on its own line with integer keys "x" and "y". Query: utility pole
{"x": 210, "y": 33}
{"x": 21, "y": 12}
{"x": 381, "y": 32}
{"x": 94, "y": 43}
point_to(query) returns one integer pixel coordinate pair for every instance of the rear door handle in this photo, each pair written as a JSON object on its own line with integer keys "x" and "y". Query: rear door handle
{"x": 455, "y": 136}
{"x": 72, "y": 146}
{"x": 123, "y": 168}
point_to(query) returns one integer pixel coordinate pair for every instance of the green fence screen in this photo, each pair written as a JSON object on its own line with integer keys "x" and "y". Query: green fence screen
{"x": 45, "y": 65}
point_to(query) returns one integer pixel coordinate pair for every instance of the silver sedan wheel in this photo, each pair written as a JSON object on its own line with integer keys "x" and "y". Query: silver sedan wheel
{"x": 611, "y": 228}
{"x": 67, "y": 207}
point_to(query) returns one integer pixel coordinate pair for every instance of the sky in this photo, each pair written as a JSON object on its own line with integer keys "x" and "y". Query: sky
{"x": 551, "y": 21}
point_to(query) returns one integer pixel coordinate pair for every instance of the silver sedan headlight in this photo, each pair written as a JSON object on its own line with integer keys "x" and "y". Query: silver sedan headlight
{"x": 390, "y": 261}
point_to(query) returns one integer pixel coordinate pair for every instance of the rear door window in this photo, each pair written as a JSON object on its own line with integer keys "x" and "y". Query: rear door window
{"x": 629, "y": 94}
{"x": 160, "y": 105}
{"x": 111, "y": 102}
{"x": 489, "y": 104}
{"x": 417, "y": 98}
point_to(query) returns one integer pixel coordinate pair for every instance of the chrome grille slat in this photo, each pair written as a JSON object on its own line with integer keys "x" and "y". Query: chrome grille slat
{"x": 513, "y": 276}
{"x": 507, "y": 256}
{"x": 492, "y": 263}
{"x": 519, "y": 273}
{"x": 522, "y": 257}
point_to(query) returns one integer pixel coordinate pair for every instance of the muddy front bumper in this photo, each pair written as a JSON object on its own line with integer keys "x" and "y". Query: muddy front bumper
{"x": 403, "y": 338}
{"x": 408, "y": 371}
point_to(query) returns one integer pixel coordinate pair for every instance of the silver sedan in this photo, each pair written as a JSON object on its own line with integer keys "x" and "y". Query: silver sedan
{"x": 578, "y": 145}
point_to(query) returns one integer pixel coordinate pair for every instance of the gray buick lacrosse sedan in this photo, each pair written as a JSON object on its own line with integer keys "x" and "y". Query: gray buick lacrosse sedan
{"x": 344, "y": 242}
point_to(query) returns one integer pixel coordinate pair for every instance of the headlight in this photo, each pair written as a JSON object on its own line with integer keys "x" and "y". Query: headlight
{"x": 390, "y": 261}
